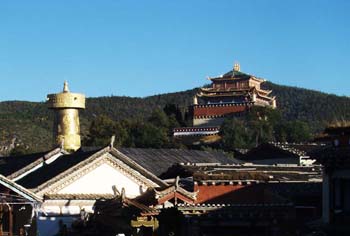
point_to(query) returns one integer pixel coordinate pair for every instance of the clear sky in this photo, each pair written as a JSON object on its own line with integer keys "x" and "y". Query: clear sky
{"x": 141, "y": 48}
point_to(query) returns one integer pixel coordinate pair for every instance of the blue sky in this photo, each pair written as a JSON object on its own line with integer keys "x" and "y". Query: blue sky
{"x": 141, "y": 48}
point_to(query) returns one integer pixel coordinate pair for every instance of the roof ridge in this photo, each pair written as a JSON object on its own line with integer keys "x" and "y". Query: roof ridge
{"x": 70, "y": 170}
{"x": 33, "y": 164}
{"x": 20, "y": 189}
{"x": 139, "y": 167}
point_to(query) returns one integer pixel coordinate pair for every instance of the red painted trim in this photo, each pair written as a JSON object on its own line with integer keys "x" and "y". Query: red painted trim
{"x": 217, "y": 110}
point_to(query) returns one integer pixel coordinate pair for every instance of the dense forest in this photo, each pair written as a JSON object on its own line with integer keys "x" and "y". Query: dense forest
{"x": 31, "y": 122}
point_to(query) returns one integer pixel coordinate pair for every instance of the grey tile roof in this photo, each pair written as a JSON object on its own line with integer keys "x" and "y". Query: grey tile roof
{"x": 159, "y": 161}
{"x": 47, "y": 172}
{"x": 278, "y": 150}
{"x": 11, "y": 164}
{"x": 154, "y": 161}
{"x": 222, "y": 173}
{"x": 21, "y": 191}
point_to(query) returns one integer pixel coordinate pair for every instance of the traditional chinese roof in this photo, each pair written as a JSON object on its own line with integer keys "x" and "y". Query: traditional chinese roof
{"x": 66, "y": 196}
{"x": 336, "y": 152}
{"x": 237, "y": 75}
{"x": 279, "y": 150}
{"x": 157, "y": 196}
{"x": 46, "y": 170}
{"x": 231, "y": 208}
{"x": 45, "y": 159}
{"x": 17, "y": 164}
{"x": 213, "y": 92}
{"x": 225, "y": 174}
{"x": 233, "y": 92}
{"x": 66, "y": 168}
{"x": 23, "y": 193}
{"x": 159, "y": 160}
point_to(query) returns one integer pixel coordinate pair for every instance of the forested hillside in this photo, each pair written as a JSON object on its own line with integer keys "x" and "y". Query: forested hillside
{"x": 316, "y": 108}
{"x": 31, "y": 122}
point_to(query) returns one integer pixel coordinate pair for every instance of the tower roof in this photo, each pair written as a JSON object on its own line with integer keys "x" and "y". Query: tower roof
{"x": 236, "y": 75}
{"x": 66, "y": 99}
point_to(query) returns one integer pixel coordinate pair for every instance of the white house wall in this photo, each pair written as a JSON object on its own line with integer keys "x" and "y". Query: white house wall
{"x": 100, "y": 181}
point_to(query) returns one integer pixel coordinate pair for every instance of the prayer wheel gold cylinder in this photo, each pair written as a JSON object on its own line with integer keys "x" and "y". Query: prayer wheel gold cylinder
{"x": 66, "y": 124}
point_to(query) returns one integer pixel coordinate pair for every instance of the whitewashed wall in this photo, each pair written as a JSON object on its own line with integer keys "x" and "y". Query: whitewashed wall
{"x": 101, "y": 180}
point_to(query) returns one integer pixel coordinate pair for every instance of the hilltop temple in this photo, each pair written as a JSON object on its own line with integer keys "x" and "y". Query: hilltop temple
{"x": 231, "y": 94}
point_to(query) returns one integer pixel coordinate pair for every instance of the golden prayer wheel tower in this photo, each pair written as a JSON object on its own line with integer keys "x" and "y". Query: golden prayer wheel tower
{"x": 66, "y": 124}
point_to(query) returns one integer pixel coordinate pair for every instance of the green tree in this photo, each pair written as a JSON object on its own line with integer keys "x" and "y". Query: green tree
{"x": 159, "y": 119}
{"x": 235, "y": 134}
{"x": 102, "y": 129}
{"x": 173, "y": 110}
{"x": 298, "y": 131}
{"x": 148, "y": 135}
{"x": 262, "y": 125}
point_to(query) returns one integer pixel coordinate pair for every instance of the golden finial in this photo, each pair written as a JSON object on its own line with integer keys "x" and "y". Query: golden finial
{"x": 65, "y": 87}
{"x": 236, "y": 66}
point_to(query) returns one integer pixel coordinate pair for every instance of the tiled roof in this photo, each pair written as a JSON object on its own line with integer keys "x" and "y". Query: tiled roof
{"x": 25, "y": 193}
{"x": 159, "y": 160}
{"x": 234, "y": 74}
{"x": 11, "y": 164}
{"x": 149, "y": 162}
{"x": 47, "y": 172}
{"x": 66, "y": 196}
{"x": 65, "y": 168}
{"x": 152, "y": 195}
{"x": 226, "y": 173}
{"x": 231, "y": 175}
{"x": 278, "y": 150}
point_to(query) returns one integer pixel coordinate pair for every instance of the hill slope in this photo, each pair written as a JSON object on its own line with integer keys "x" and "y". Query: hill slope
{"x": 31, "y": 122}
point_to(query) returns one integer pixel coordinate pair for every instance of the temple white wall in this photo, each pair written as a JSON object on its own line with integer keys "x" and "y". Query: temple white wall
{"x": 195, "y": 133}
{"x": 205, "y": 122}
{"x": 101, "y": 180}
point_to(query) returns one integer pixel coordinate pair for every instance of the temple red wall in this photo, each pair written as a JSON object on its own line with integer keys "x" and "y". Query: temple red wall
{"x": 217, "y": 110}
{"x": 208, "y": 192}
